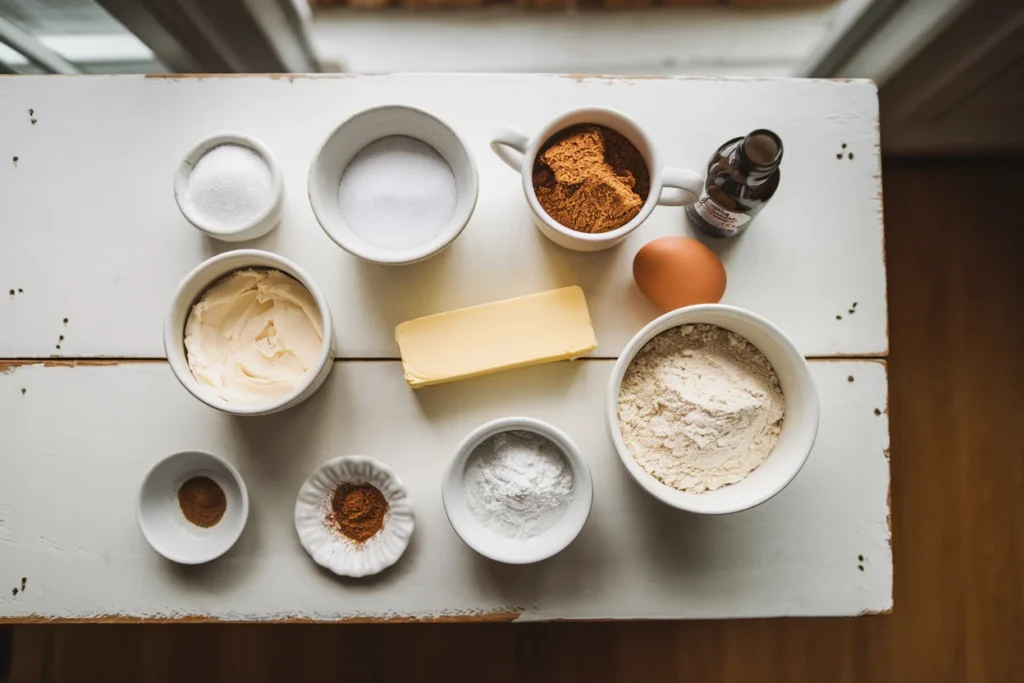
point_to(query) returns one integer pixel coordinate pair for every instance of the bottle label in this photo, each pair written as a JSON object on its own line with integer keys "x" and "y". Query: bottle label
{"x": 729, "y": 222}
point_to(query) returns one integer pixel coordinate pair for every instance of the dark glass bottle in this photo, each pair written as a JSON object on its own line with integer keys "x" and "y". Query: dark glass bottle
{"x": 742, "y": 176}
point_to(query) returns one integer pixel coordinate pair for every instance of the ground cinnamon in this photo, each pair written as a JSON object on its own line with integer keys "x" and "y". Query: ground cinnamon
{"x": 357, "y": 511}
{"x": 591, "y": 178}
{"x": 202, "y": 501}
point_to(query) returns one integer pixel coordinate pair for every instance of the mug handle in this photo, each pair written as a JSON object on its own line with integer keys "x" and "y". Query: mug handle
{"x": 680, "y": 186}
{"x": 510, "y": 145}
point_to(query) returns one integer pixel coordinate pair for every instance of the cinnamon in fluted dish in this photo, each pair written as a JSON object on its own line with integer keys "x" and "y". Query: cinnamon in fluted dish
{"x": 357, "y": 511}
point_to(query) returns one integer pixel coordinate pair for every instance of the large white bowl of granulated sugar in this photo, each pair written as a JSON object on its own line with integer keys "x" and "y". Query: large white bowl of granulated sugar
{"x": 712, "y": 409}
{"x": 393, "y": 185}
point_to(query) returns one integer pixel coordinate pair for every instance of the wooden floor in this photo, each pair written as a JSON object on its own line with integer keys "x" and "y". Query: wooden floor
{"x": 955, "y": 238}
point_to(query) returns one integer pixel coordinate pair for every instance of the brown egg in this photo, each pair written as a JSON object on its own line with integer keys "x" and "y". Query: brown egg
{"x": 678, "y": 271}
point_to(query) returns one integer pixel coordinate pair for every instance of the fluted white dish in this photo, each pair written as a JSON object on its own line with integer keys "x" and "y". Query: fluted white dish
{"x": 332, "y": 550}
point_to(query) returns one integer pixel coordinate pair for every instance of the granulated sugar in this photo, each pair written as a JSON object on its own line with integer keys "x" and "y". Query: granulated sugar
{"x": 700, "y": 407}
{"x": 397, "y": 193}
{"x": 230, "y": 185}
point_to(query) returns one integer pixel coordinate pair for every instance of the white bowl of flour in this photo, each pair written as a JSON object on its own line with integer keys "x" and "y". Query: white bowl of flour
{"x": 712, "y": 409}
{"x": 518, "y": 491}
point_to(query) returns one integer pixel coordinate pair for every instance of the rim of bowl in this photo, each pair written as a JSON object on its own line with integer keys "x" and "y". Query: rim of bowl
{"x": 201, "y": 149}
{"x": 648, "y": 482}
{"x": 395, "y": 257}
{"x": 179, "y": 363}
{"x": 583, "y": 481}
{"x": 654, "y": 170}
{"x": 243, "y": 491}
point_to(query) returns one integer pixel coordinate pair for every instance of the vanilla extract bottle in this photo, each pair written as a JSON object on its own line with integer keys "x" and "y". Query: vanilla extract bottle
{"x": 743, "y": 175}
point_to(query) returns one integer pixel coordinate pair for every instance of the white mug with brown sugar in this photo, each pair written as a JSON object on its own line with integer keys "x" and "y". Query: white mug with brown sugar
{"x": 603, "y": 199}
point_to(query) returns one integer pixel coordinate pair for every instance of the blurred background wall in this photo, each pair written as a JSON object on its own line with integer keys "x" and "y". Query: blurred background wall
{"x": 950, "y": 72}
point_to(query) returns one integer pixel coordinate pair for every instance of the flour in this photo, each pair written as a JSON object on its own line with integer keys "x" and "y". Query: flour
{"x": 700, "y": 407}
{"x": 230, "y": 185}
{"x": 518, "y": 484}
{"x": 397, "y": 193}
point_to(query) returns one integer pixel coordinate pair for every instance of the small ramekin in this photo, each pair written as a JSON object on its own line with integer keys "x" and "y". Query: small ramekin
{"x": 193, "y": 287}
{"x": 509, "y": 550}
{"x": 162, "y": 522}
{"x": 350, "y": 138}
{"x": 799, "y": 426}
{"x": 260, "y": 224}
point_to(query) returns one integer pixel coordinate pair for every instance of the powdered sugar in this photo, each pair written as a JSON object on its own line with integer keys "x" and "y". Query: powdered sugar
{"x": 230, "y": 185}
{"x": 397, "y": 193}
{"x": 518, "y": 484}
{"x": 700, "y": 407}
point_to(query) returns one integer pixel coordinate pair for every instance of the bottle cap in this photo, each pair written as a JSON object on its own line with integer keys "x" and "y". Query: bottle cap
{"x": 762, "y": 150}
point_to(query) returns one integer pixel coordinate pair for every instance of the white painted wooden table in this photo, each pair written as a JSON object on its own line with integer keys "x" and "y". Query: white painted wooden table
{"x": 89, "y": 232}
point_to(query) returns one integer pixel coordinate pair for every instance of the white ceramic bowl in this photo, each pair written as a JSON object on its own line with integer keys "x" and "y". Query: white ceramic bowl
{"x": 355, "y": 134}
{"x": 201, "y": 279}
{"x": 260, "y": 224}
{"x": 162, "y": 522}
{"x": 669, "y": 186}
{"x": 799, "y": 426}
{"x": 330, "y": 549}
{"x": 510, "y": 550}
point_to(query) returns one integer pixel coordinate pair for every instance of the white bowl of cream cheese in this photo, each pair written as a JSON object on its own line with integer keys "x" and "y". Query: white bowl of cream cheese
{"x": 249, "y": 333}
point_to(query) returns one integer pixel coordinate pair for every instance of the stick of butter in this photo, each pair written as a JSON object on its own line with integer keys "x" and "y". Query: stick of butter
{"x": 479, "y": 340}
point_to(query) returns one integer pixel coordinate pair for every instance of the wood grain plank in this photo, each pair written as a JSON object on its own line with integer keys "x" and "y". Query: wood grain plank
{"x": 958, "y": 462}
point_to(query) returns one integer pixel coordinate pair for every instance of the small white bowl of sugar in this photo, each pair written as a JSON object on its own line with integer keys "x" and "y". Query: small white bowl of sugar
{"x": 393, "y": 185}
{"x": 518, "y": 491}
{"x": 230, "y": 188}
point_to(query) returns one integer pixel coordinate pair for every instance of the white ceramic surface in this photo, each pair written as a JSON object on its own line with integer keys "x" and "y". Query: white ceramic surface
{"x": 162, "y": 522}
{"x": 332, "y": 550}
{"x": 201, "y": 279}
{"x": 669, "y": 186}
{"x": 261, "y": 223}
{"x": 799, "y": 426}
{"x": 356, "y": 133}
{"x": 510, "y": 550}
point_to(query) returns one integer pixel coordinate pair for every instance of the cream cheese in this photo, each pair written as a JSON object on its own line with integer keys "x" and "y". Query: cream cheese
{"x": 254, "y": 336}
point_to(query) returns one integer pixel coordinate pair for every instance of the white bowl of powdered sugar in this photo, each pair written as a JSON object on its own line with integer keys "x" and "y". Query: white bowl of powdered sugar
{"x": 517, "y": 491}
{"x": 712, "y": 409}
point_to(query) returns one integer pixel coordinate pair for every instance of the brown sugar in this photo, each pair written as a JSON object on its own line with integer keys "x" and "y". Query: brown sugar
{"x": 591, "y": 178}
{"x": 202, "y": 501}
{"x": 357, "y": 511}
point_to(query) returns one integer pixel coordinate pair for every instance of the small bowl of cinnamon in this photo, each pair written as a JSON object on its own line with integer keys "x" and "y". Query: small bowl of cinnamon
{"x": 353, "y": 516}
{"x": 192, "y": 507}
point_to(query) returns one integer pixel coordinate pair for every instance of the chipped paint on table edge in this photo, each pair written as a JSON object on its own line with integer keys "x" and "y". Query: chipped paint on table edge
{"x": 495, "y": 617}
